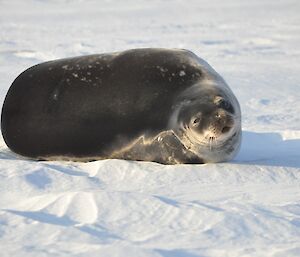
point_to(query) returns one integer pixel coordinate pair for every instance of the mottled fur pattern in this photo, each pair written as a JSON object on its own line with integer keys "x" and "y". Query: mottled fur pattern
{"x": 162, "y": 105}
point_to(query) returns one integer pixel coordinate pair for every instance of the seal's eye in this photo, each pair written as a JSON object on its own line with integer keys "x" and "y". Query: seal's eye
{"x": 218, "y": 115}
{"x": 218, "y": 100}
{"x": 196, "y": 120}
{"x": 224, "y": 104}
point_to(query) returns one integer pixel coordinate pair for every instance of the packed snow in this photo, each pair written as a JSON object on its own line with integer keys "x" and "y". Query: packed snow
{"x": 247, "y": 207}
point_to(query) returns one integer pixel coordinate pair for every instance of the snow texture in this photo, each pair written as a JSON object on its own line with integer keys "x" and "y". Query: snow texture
{"x": 247, "y": 207}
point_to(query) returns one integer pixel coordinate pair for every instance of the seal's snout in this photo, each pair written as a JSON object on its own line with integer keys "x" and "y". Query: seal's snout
{"x": 225, "y": 129}
{"x": 222, "y": 123}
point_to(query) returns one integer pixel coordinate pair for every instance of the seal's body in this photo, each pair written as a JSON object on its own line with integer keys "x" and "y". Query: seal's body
{"x": 161, "y": 105}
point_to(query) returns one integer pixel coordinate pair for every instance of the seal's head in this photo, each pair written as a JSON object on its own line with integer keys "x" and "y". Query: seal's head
{"x": 209, "y": 125}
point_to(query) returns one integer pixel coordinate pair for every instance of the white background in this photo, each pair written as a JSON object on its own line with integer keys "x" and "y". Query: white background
{"x": 247, "y": 207}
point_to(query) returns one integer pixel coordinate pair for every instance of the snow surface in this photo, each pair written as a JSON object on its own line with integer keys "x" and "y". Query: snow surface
{"x": 247, "y": 207}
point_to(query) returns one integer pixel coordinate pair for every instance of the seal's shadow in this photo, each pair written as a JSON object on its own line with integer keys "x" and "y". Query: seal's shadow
{"x": 268, "y": 149}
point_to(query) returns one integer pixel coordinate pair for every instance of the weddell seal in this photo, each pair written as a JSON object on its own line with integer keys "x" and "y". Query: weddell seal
{"x": 162, "y": 105}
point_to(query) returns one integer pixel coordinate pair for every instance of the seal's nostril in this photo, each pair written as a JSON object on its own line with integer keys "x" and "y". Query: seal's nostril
{"x": 226, "y": 129}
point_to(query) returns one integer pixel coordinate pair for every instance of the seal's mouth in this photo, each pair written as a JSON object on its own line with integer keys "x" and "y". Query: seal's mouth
{"x": 216, "y": 140}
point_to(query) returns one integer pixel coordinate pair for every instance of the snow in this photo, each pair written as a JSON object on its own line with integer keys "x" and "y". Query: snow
{"x": 247, "y": 207}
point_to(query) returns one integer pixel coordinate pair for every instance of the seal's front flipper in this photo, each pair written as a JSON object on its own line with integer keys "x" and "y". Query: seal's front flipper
{"x": 164, "y": 148}
{"x": 170, "y": 150}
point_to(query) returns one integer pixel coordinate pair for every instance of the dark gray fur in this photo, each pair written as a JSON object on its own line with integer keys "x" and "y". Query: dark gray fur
{"x": 102, "y": 106}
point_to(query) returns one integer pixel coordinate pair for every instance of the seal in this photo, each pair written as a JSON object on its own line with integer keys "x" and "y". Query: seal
{"x": 162, "y": 105}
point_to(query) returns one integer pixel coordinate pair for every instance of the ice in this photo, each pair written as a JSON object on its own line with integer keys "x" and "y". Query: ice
{"x": 249, "y": 206}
